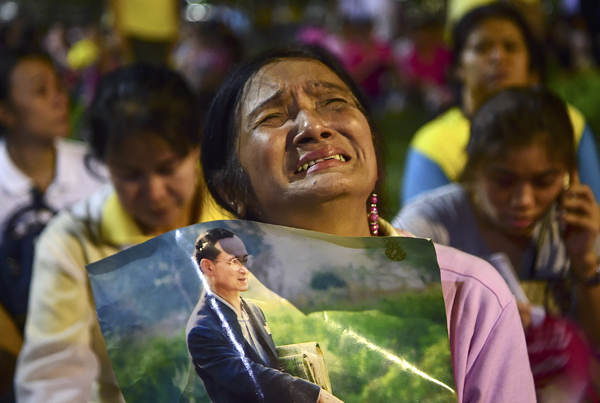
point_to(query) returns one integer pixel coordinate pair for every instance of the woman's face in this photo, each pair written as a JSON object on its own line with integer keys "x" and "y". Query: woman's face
{"x": 38, "y": 108}
{"x": 154, "y": 184}
{"x": 303, "y": 139}
{"x": 515, "y": 190}
{"x": 494, "y": 58}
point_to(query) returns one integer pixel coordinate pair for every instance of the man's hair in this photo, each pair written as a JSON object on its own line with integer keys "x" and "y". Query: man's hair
{"x": 205, "y": 244}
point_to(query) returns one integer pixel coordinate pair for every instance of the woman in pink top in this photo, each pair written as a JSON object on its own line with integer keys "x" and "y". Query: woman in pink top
{"x": 288, "y": 141}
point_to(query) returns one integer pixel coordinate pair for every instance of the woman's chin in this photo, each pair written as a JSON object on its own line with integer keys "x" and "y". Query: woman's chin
{"x": 324, "y": 188}
{"x": 519, "y": 231}
{"x": 159, "y": 224}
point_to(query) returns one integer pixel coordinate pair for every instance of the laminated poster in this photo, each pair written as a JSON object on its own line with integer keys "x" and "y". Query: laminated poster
{"x": 363, "y": 318}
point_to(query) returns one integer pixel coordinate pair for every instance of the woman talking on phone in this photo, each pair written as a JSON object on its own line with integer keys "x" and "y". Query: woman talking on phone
{"x": 520, "y": 196}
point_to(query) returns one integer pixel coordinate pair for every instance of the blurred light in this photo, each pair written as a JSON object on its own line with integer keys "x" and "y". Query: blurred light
{"x": 236, "y": 21}
{"x": 198, "y": 12}
{"x": 8, "y": 11}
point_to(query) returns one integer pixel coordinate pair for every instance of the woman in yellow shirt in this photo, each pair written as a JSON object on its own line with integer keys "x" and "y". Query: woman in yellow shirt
{"x": 144, "y": 126}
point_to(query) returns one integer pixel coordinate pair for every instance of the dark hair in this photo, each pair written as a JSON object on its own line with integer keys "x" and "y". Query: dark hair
{"x": 518, "y": 117}
{"x": 224, "y": 175}
{"x": 205, "y": 244}
{"x": 474, "y": 18}
{"x": 142, "y": 99}
{"x": 9, "y": 59}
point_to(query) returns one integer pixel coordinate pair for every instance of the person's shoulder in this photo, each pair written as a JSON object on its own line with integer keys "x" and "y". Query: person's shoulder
{"x": 451, "y": 193}
{"x": 453, "y": 120}
{"x": 443, "y": 141}
{"x": 69, "y": 242}
{"x": 75, "y": 156}
{"x": 86, "y": 212}
{"x": 472, "y": 277}
{"x": 207, "y": 317}
{"x": 577, "y": 120}
{"x": 199, "y": 314}
{"x": 574, "y": 112}
{"x": 71, "y": 146}
{"x": 443, "y": 201}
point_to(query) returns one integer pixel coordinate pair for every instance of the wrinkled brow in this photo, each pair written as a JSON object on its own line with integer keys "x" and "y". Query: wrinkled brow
{"x": 312, "y": 87}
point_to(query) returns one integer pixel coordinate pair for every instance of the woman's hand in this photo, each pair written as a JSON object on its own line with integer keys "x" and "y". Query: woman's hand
{"x": 580, "y": 214}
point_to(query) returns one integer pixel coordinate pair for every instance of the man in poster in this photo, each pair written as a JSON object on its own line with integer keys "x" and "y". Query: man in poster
{"x": 228, "y": 338}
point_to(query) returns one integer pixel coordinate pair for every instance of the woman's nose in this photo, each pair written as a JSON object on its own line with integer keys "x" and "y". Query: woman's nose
{"x": 524, "y": 195}
{"x": 498, "y": 52}
{"x": 311, "y": 127}
{"x": 155, "y": 187}
{"x": 60, "y": 98}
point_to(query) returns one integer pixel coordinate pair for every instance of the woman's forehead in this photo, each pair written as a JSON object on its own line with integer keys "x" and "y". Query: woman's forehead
{"x": 284, "y": 75}
{"x": 498, "y": 26}
{"x": 537, "y": 153}
{"x": 299, "y": 68}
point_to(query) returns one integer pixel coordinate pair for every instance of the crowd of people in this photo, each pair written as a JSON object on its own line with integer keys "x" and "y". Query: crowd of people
{"x": 176, "y": 131}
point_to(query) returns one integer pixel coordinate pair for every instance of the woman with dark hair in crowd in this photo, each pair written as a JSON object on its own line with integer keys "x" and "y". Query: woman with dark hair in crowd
{"x": 143, "y": 125}
{"x": 288, "y": 141}
{"x": 41, "y": 173}
{"x": 494, "y": 49}
{"x": 520, "y": 196}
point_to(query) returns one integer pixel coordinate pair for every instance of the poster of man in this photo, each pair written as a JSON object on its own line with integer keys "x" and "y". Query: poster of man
{"x": 184, "y": 324}
{"x": 228, "y": 338}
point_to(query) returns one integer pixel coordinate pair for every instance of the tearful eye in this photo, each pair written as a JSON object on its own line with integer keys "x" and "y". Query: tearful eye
{"x": 503, "y": 181}
{"x": 42, "y": 90}
{"x": 127, "y": 175}
{"x": 545, "y": 182}
{"x": 167, "y": 170}
{"x": 481, "y": 47}
{"x": 274, "y": 120}
{"x": 335, "y": 102}
{"x": 511, "y": 46}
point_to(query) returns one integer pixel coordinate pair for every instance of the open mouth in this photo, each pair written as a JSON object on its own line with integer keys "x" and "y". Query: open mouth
{"x": 309, "y": 164}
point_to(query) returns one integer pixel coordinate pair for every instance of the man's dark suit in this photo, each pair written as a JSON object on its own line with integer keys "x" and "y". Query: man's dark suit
{"x": 231, "y": 370}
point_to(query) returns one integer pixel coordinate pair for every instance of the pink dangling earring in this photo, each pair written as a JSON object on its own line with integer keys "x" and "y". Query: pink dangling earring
{"x": 373, "y": 215}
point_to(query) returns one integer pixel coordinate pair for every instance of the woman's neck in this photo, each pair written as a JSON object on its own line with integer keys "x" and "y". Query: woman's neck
{"x": 37, "y": 160}
{"x": 471, "y": 101}
{"x": 498, "y": 241}
{"x": 334, "y": 218}
{"x": 188, "y": 217}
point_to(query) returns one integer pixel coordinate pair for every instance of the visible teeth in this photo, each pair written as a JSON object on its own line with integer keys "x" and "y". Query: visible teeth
{"x": 305, "y": 166}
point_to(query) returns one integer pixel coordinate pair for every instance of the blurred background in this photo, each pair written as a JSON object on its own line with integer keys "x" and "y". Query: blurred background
{"x": 396, "y": 49}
